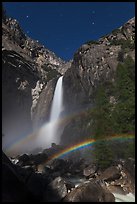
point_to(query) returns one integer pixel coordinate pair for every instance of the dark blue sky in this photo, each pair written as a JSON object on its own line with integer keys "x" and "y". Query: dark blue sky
{"x": 63, "y": 27}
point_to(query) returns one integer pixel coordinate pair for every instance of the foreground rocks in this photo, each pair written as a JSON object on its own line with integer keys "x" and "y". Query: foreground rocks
{"x": 60, "y": 181}
{"x": 90, "y": 192}
{"x": 13, "y": 187}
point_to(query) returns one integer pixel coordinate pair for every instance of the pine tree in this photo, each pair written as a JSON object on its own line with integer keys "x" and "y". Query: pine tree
{"x": 124, "y": 112}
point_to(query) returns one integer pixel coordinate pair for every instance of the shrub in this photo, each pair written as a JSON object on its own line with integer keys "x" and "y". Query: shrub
{"x": 92, "y": 42}
{"x": 126, "y": 45}
{"x": 52, "y": 74}
{"x": 120, "y": 57}
{"x": 115, "y": 31}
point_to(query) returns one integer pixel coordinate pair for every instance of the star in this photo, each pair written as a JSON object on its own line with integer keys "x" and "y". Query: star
{"x": 93, "y": 12}
{"x": 27, "y": 16}
{"x": 93, "y": 23}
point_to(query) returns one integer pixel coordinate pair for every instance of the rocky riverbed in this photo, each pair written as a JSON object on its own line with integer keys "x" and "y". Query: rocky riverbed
{"x": 31, "y": 177}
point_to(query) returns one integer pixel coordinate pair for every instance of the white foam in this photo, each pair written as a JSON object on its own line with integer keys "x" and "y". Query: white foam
{"x": 124, "y": 198}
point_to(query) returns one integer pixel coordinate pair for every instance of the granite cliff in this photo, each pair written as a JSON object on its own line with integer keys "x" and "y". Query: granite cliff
{"x": 94, "y": 63}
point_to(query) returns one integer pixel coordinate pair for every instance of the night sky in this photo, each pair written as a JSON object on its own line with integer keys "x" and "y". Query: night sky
{"x": 63, "y": 27}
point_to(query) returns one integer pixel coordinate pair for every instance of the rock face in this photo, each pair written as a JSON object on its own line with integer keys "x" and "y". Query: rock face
{"x": 60, "y": 189}
{"x": 27, "y": 66}
{"x": 42, "y": 111}
{"x": 17, "y": 81}
{"x": 94, "y": 63}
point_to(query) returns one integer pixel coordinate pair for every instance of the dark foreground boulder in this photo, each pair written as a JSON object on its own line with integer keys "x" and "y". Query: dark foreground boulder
{"x": 13, "y": 188}
{"x": 90, "y": 192}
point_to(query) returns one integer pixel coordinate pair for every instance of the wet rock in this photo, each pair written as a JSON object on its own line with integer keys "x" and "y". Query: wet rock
{"x": 59, "y": 165}
{"x": 110, "y": 174}
{"x": 90, "y": 171}
{"x": 24, "y": 159}
{"x": 69, "y": 184}
{"x": 129, "y": 165}
{"x": 89, "y": 192}
{"x": 39, "y": 158}
{"x": 116, "y": 189}
{"x": 126, "y": 181}
{"x": 55, "y": 191}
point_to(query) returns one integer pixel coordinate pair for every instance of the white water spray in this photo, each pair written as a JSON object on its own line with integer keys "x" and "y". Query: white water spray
{"x": 56, "y": 109}
{"x": 124, "y": 198}
{"x": 50, "y": 132}
{"x": 57, "y": 101}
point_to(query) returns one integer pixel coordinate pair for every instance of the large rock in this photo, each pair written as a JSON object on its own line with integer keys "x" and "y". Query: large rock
{"x": 127, "y": 178}
{"x": 59, "y": 165}
{"x": 90, "y": 170}
{"x": 35, "y": 184}
{"x": 129, "y": 165}
{"x": 110, "y": 174}
{"x": 13, "y": 188}
{"x": 24, "y": 159}
{"x": 89, "y": 192}
{"x": 55, "y": 191}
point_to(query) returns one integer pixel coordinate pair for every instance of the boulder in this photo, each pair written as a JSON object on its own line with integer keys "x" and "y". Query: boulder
{"x": 110, "y": 174}
{"x": 24, "y": 160}
{"x": 35, "y": 184}
{"x": 13, "y": 188}
{"x": 59, "y": 165}
{"x": 25, "y": 172}
{"x": 90, "y": 170}
{"x": 89, "y": 192}
{"x": 55, "y": 191}
{"x": 69, "y": 184}
{"x": 129, "y": 165}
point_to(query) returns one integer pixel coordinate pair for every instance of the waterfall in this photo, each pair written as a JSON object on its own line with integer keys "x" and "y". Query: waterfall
{"x": 50, "y": 132}
{"x": 57, "y": 102}
{"x": 56, "y": 109}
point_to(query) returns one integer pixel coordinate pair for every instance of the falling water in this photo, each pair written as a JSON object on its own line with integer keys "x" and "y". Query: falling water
{"x": 56, "y": 109}
{"x": 50, "y": 132}
{"x": 57, "y": 101}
